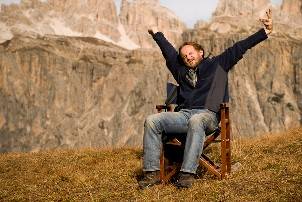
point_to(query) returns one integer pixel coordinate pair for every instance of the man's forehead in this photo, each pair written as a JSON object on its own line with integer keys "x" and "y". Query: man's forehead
{"x": 187, "y": 48}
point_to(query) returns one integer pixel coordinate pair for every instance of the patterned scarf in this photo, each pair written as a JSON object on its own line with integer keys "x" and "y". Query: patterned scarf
{"x": 192, "y": 77}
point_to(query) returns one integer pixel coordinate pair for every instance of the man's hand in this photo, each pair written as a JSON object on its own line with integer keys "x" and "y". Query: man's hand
{"x": 268, "y": 23}
{"x": 152, "y": 31}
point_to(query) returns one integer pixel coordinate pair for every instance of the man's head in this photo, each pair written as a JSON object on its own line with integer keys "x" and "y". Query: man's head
{"x": 191, "y": 53}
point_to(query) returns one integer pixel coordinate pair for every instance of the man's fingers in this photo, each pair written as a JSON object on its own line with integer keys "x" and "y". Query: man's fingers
{"x": 267, "y": 23}
{"x": 150, "y": 31}
{"x": 269, "y": 13}
{"x": 264, "y": 20}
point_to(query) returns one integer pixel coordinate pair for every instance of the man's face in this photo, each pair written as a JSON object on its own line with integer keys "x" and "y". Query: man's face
{"x": 190, "y": 56}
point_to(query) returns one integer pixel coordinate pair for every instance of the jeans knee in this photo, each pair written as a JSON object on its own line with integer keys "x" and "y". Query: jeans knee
{"x": 193, "y": 121}
{"x": 150, "y": 121}
{"x": 196, "y": 122}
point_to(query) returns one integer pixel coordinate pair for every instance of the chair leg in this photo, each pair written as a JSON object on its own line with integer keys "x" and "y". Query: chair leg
{"x": 162, "y": 165}
{"x": 225, "y": 166}
{"x": 228, "y": 142}
{"x": 210, "y": 165}
{"x": 167, "y": 171}
{"x": 225, "y": 143}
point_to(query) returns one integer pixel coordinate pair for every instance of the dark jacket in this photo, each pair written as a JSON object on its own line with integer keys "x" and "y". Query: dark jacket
{"x": 212, "y": 81}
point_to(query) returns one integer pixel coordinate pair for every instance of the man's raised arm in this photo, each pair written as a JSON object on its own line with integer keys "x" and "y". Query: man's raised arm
{"x": 233, "y": 54}
{"x": 168, "y": 51}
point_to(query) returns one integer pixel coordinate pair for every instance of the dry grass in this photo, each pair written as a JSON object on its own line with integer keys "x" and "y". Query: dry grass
{"x": 270, "y": 171}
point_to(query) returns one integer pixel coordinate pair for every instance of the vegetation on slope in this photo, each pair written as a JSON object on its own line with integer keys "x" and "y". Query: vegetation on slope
{"x": 270, "y": 171}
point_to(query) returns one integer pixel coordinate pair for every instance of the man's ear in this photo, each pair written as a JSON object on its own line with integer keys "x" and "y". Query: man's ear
{"x": 201, "y": 53}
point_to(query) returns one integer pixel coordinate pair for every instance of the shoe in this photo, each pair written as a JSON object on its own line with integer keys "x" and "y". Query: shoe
{"x": 150, "y": 178}
{"x": 185, "y": 180}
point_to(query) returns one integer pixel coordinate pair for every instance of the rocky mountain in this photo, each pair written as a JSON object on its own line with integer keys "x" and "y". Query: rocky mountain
{"x": 241, "y": 8}
{"x": 72, "y": 92}
{"x": 233, "y": 16}
{"x": 140, "y": 15}
{"x": 291, "y": 12}
{"x": 292, "y": 7}
{"x": 72, "y": 18}
{"x": 90, "y": 18}
{"x": 86, "y": 90}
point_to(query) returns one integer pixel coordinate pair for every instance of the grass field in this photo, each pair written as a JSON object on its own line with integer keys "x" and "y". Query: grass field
{"x": 270, "y": 170}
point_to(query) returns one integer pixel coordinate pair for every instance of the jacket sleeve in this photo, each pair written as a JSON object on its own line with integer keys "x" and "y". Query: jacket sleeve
{"x": 169, "y": 52}
{"x": 233, "y": 54}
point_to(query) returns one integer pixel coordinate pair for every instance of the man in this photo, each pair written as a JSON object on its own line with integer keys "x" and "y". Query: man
{"x": 203, "y": 87}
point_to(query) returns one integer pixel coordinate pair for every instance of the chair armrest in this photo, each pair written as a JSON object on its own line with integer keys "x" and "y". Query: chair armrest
{"x": 224, "y": 105}
{"x": 160, "y": 108}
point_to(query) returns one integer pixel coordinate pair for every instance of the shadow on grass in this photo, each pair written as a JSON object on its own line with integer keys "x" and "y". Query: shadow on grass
{"x": 139, "y": 154}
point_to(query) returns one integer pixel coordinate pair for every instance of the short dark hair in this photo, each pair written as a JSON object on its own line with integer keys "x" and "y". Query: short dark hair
{"x": 195, "y": 45}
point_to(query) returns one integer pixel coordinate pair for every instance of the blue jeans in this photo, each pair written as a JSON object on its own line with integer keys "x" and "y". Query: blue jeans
{"x": 195, "y": 123}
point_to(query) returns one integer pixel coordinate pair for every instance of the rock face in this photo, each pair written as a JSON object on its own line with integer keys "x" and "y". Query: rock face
{"x": 140, "y": 15}
{"x": 241, "y": 16}
{"x": 292, "y": 7}
{"x": 291, "y": 11}
{"x": 241, "y": 8}
{"x": 90, "y": 18}
{"x": 237, "y": 16}
{"x": 74, "y": 18}
{"x": 75, "y": 92}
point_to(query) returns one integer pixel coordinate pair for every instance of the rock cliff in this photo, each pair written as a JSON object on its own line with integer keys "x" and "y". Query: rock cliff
{"x": 75, "y": 92}
{"x": 70, "y": 17}
{"x": 91, "y": 18}
{"x": 241, "y": 16}
{"x": 140, "y": 15}
{"x": 241, "y": 8}
{"x": 291, "y": 12}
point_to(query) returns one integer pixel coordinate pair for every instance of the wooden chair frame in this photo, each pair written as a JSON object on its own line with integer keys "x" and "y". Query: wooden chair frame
{"x": 168, "y": 171}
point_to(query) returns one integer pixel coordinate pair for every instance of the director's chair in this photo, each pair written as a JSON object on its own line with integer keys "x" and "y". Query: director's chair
{"x": 173, "y": 148}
